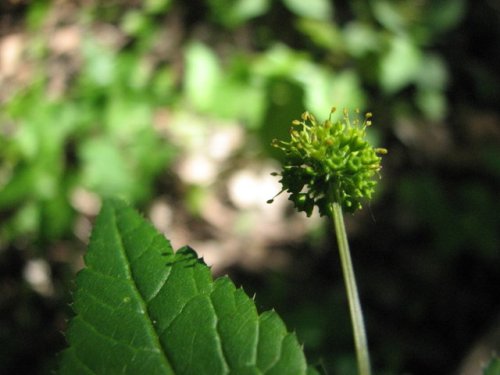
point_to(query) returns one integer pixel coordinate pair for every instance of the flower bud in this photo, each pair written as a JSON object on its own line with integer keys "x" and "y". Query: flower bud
{"x": 329, "y": 161}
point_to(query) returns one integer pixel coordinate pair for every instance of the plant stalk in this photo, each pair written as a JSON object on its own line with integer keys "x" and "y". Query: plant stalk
{"x": 362, "y": 355}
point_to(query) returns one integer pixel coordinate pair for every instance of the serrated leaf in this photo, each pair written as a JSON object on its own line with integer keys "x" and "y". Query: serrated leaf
{"x": 141, "y": 309}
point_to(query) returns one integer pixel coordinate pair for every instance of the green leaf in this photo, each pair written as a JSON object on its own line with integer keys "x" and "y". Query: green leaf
{"x": 317, "y": 9}
{"x": 400, "y": 66}
{"x": 493, "y": 367}
{"x": 105, "y": 168}
{"x": 156, "y": 6}
{"x": 232, "y": 13}
{"x": 203, "y": 74}
{"x": 143, "y": 309}
{"x": 421, "y": 20}
{"x": 323, "y": 33}
{"x": 361, "y": 38}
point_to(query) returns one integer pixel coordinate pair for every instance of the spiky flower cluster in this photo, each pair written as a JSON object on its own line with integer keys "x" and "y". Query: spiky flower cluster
{"x": 329, "y": 162}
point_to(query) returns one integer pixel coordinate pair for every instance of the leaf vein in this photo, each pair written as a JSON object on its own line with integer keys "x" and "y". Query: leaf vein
{"x": 220, "y": 347}
{"x": 160, "y": 286}
{"x": 142, "y": 301}
{"x": 101, "y": 334}
{"x": 144, "y": 251}
{"x": 278, "y": 357}
{"x": 179, "y": 313}
{"x": 82, "y": 362}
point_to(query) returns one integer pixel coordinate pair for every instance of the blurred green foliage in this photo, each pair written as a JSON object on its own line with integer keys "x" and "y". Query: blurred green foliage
{"x": 493, "y": 367}
{"x": 86, "y": 138}
{"x": 259, "y": 63}
{"x": 111, "y": 100}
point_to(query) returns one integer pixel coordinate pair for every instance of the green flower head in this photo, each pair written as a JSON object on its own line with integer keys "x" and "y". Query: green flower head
{"x": 329, "y": 162}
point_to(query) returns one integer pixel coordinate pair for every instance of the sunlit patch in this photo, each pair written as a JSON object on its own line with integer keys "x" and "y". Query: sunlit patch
{"x": 37, "y": 274}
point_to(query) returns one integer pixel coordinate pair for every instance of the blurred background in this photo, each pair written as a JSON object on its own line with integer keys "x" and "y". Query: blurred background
{"x": 172, "y": 105}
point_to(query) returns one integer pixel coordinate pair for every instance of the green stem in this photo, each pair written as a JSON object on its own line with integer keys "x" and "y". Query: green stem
{"x": 358, "y": 325}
